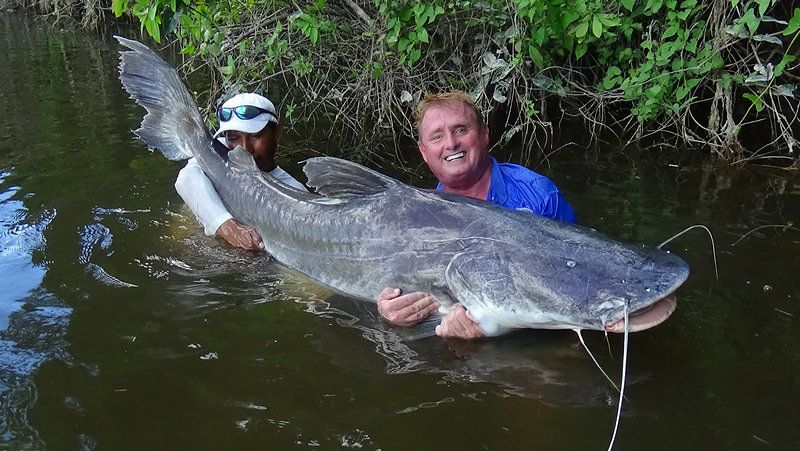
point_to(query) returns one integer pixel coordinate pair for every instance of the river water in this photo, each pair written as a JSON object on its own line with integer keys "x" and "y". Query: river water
{"x": 123, "y": 327}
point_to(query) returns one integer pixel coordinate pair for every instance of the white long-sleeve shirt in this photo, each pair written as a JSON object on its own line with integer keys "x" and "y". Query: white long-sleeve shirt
{"x": 199, "y": 194}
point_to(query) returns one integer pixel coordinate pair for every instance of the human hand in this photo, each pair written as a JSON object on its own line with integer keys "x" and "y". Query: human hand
{"x": 407, "y": 309}
{"x": 458, "y": 323}
{"x": 240, "y": 235}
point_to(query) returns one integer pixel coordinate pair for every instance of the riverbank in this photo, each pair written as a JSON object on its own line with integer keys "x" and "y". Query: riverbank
{"x": 715, "y": 75}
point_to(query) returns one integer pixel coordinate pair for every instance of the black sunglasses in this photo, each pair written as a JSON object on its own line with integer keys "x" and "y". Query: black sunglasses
{"x": 243, "y": 112}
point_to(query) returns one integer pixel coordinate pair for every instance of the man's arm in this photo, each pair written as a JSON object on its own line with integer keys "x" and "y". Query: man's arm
{"x": 201, "y": 197}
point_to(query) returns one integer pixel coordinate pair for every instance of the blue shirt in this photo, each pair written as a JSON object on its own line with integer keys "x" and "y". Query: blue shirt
{"x": 517, "y": 187}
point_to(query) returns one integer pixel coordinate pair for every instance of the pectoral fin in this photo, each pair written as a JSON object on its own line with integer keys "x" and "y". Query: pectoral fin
{"x": 481, "y": 282}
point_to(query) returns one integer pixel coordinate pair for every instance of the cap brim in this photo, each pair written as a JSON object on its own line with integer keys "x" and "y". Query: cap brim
{"x": 254, "y": 125}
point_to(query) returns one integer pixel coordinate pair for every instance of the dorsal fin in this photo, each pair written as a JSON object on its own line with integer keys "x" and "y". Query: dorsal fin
{"x": 241, "y": 159}
{"x": 334, "y": 177}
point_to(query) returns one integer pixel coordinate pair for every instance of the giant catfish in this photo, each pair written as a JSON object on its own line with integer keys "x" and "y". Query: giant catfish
{"x": 363, "y": 231}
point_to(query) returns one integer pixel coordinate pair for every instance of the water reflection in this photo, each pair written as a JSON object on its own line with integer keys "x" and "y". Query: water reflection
{"x": 548, "y": 366}
{"x": 558, "y": 373}
{"x": 33, "y": 321}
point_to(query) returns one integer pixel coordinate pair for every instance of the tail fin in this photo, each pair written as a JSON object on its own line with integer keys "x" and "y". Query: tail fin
{"x": 173, "y": 123}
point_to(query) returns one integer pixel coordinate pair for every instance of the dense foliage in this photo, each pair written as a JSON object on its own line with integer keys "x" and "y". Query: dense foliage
{"x": 714, "y": 73}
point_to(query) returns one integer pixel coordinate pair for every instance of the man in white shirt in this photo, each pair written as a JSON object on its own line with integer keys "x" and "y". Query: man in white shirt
{"x": 251, "y": 121}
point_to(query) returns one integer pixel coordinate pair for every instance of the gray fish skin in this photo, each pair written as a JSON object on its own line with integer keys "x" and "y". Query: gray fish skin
{"x": 364, "y": 231}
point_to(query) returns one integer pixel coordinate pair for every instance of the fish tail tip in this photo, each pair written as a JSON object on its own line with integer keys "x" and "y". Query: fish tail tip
{"x": 172, "y": 115}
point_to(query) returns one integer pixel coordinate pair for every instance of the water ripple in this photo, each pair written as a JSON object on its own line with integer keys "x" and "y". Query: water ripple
{"x": 97, "y": 235}
{"x": 35, "y": 334}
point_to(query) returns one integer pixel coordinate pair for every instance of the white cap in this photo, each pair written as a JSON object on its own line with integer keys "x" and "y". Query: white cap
{"x": 253, "y": 125}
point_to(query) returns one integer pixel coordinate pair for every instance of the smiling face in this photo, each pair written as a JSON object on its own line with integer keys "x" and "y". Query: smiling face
{"x": 261, "y": 145}
{"x": 454, "y": 144}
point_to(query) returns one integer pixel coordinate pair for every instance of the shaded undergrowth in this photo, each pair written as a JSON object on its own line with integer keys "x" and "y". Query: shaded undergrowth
{"x": 717, "y": 74}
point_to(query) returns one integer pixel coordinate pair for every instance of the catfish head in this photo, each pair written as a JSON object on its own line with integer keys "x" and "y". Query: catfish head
{"x": 589, "y": 285}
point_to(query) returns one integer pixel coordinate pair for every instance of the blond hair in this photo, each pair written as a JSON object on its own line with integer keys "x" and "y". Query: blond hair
{"x": 444, "y": 98}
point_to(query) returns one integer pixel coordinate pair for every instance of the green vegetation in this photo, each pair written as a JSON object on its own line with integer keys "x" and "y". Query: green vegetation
{"x": 713, "y": 73}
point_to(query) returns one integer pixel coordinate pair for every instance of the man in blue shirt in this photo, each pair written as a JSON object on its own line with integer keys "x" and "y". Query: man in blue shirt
{"x": 518, "y": 188}
{"x": 454, "y": 142}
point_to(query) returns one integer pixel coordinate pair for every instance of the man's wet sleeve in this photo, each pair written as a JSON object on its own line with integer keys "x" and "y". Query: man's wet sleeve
{"x": 201, "y": 197}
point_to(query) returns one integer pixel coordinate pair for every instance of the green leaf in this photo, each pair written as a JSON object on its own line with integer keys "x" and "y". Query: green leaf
{"x": 536, "y": 56}
{"x": 751, "y": 21}
{"x": 691, "y": 46}
{"x": 654, "y": 90}
{"x": 403, "y": 44}
{"x": 628, "y": 4}
{"x": 581, "y": 29}
{"x": 567, "y": 18}
{"x": 597, "y": 27}
{"x": 754, "y": 100}
{"x": 655, "y": 5}
{"x": 118, "y": 7}
{"x": 429, "y": 14}
{"x": 213, "y": 49}
{"x": 419, "y": 18}
{"x": 763, "y": 5}
{"x": 539, "y": 36}
{"x": 684, "y": 90}
{"x": 794, "y": 24}
{"x": 778, "y": 70}
{"x": 413, "y": 56}
{"x": 671, "y": 30}
{"x": 612, "y": 78}
{"x": 157, "y": 32}
{"x": 152, "y": 29}
{"x": 609, "y": 20}
{"x": 422, "y": 35}
{"x": 580, "y": 50}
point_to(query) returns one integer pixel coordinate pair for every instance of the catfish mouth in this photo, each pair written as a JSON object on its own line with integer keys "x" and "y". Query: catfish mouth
{"x": 645, "y": 318}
